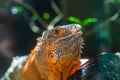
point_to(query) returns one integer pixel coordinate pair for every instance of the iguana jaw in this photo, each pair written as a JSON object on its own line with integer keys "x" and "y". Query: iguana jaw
{"x": 69, "y": 61}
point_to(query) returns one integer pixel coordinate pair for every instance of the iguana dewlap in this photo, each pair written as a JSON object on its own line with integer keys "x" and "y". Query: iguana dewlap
{"x": 56, "y": 55}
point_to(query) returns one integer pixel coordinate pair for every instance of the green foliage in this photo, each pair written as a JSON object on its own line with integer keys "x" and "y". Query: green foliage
{"x": 85, "y": 22}
{"x": 46, "y": 15}
{"x": 35, "y": 17}
{"x": 20, "y": 9}
{"x": 74, "y": 19}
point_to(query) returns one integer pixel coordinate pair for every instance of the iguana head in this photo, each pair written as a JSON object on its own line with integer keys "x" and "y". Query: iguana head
{"x": 60, "y": 47}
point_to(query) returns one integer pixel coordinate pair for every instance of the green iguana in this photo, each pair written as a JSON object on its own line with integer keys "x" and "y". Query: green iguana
{"x": 55, "y": 57}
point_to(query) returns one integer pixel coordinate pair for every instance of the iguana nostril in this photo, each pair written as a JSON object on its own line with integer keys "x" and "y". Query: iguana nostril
{"x": 77, "y": 26}
{"x": 76, "y": 29}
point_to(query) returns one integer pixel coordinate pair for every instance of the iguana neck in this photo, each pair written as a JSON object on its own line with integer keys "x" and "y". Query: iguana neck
{"x": 59, "y": 72}
{"x": 41, "y": 72}
{"x": 49, "y": 74}
{"x": 35, "y": 70}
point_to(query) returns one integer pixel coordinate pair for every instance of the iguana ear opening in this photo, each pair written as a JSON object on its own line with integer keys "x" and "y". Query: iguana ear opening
{"x": 52, "y": 58}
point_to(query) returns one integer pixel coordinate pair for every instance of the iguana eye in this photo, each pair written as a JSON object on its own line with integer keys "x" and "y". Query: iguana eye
{"x": 57, "y": 31}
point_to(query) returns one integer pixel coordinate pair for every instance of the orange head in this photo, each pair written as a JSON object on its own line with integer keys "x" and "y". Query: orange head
{"x": 60, "y": 48}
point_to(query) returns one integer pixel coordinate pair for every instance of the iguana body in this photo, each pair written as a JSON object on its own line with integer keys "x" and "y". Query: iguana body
{"x": 56, "y": 55}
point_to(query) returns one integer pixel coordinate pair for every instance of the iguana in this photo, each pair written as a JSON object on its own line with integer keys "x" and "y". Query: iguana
{"x": 55, "y": 57}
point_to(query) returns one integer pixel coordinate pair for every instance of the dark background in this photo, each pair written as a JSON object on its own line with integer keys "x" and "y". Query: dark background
{"x": 99, "y": 35}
